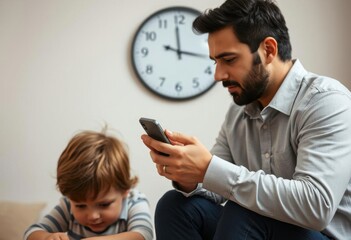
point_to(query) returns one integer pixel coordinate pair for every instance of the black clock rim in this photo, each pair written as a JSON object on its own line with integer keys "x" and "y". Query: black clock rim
{"x": 140, "y": 78}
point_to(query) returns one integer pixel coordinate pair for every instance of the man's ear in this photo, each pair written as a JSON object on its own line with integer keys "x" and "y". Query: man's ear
{"x": 270, "y": 49}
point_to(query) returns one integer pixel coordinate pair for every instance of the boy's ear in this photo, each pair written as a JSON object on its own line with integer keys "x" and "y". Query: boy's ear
{"x": 270, "y": 49}
{"x": 125, "y": 194}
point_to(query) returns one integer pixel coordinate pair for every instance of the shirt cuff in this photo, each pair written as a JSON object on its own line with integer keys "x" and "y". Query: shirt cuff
{"x": 187, "y": 194}
{"x": 221, "y": 176}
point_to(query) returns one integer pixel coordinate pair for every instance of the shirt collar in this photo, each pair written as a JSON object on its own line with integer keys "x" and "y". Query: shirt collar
{"x": 124, "y": 211}
{"x": 284, "y": 98}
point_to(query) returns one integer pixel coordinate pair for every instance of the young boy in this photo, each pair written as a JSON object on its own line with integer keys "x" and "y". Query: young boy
{"x": 93, "y": 175}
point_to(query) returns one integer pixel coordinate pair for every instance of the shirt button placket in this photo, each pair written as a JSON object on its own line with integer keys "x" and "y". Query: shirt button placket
{"x": 265, "y": 141}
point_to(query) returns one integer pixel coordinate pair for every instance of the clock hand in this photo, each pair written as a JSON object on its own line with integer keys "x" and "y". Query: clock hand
{"x": 178, "y": 43}
{"x": 167, "y": 47}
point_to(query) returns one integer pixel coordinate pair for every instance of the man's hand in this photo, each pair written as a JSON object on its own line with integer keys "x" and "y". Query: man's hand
{"x": 187, "y": 161}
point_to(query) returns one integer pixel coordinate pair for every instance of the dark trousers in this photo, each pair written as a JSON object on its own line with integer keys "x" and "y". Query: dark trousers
{"x": 196, "y": 218}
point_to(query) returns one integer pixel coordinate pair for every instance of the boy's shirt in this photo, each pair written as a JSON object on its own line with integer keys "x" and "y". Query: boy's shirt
{"x": 135, "y": 216}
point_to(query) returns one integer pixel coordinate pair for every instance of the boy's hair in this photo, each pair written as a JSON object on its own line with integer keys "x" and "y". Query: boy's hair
{"x": 92, "y": 163}
{"x": 252, "y": 22}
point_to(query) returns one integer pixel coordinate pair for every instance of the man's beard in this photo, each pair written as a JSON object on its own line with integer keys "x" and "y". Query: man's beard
{"x": 254, "y": 83}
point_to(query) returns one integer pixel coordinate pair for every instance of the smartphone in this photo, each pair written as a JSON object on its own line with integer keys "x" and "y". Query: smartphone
{"x": 153, "y": 128}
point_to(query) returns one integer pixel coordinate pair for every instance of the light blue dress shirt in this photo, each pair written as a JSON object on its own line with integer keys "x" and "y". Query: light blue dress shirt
{"x": 290, "y": 161}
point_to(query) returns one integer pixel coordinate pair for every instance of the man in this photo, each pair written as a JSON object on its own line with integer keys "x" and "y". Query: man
{"x": 282, "y": 157}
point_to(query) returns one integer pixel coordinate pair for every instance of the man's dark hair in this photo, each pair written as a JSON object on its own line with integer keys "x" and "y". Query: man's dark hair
{"x": 252, "y": 21}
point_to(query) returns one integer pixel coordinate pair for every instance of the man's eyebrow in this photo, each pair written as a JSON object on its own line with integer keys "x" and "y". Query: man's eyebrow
{"x": 224, "y": 54}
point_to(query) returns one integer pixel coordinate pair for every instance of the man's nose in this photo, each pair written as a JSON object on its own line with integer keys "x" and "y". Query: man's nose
{"x": 220, "y": 73}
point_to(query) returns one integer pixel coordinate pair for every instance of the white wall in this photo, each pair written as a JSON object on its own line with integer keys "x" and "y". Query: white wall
{"x": 65, "y": 66}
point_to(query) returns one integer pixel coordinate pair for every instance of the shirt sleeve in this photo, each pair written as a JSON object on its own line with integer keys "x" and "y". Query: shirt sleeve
{"x": 139, "y": 217}
{"x": 319, "y": 133}
{"x": 56, "y": 221}
{"x": 199, "y": 190}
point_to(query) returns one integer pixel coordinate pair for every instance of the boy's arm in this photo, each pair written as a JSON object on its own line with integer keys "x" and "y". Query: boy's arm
{"x": 41, "y": 228}
{"x": 42, "y": 235}
{"x": 119, "y": 236}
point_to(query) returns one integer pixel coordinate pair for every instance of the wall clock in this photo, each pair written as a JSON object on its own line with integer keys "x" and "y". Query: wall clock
{"x": 169, "y": 58}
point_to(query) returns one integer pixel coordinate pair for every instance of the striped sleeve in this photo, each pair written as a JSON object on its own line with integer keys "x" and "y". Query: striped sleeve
{"x": 56, "y": 221}
{"x": 139, "y": 217}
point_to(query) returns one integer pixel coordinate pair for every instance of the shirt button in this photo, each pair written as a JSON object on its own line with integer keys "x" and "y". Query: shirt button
{"x": 265, "y": 126}
{"x": 266, "y": 155}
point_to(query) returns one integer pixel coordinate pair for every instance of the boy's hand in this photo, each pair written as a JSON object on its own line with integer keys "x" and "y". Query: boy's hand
{"x": 57, "y": 236}
{"x": 43, "y": 235}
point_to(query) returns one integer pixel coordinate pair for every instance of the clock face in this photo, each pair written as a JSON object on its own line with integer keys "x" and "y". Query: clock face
{"x": 169, "y": 58}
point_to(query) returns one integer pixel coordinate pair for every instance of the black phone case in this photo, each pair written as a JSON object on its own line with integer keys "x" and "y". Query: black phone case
{"x": 153, "y": 129}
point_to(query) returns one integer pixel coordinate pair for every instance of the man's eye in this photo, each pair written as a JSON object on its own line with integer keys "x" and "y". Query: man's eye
{"x": 229, "y": 60}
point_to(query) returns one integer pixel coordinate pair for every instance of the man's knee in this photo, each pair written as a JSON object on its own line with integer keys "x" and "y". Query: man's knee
{"x": 175, "y": 201}
{"x": 170, "y": 200}
{"x": 195, "y": 216}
